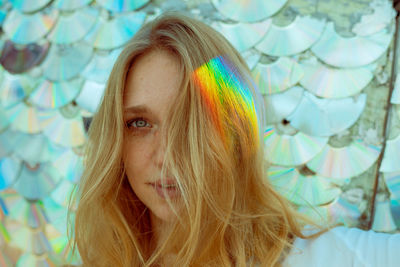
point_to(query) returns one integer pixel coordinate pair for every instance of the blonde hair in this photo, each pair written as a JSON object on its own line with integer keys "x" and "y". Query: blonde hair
{"x": 231, "y": 217}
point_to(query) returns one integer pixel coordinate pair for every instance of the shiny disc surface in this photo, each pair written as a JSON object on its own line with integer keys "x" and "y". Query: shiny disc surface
{"x": 390, "y": 162}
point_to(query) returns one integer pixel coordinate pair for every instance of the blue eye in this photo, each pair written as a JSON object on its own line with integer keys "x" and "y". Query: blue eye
{"x": 138, "y": 123}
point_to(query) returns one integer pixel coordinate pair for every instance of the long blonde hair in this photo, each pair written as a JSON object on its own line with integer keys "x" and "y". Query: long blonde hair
{"x": 231, "y": 217}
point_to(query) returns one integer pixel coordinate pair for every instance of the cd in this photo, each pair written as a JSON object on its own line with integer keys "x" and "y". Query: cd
{"x": 383, "y": 220}
{"x": 252, "y": 56}
{"x": 248, "y": 11}
{"x": 65, "y": 62}
{"x": 8, "y": 142}
{"x": 27, "y": 6}
{"x": 70, "y": 165}
{"x": 28, "y": 240}
{"x": 112, "y": 33}
{"x": 24, "y": 118}
{"x": 122, "y": 5}
{"x": 57, "y": 215}
{"x": 391, "y": 156}
{"x": 393, "y": 183}
{"x": 72, "y": 27}
{"x": 4, "y": 122}
{"x": 36, "y": 148}
{"x": 303, "y": 190}
{"x": 9, "y": 171}
{"x": 65, "y": 131}
{"x": 62, "y": 193}
{"x": 52, "y": 95}
{"x": 356, "y": 51}
{"x": 100, "y": 66}
{"x": 37, "y": 181}
{"x": 292, "y": 39}
{"x": 15, "y": 88}
{"x": 277, "y": 76}
{"x": 18, "y": 60}
{"x": 396, "y": 91}
{"x": 31, "y": 214}
{"x": 326, "y": 117}
{"x": 279, "y": 106}
{"x": 291, "y": 150}
{"x": 241, "y": 35}
{"x": 62, "y": 246}
{"x": 345, "y": 162}
{"x": 328, "y": 82}
{"x": 45, "y": 260}
{"x": 70, "y": 5}
{"x": 24, "y": 29}
{"x": 90, "y": 96}
{"x": 383, "y": 15}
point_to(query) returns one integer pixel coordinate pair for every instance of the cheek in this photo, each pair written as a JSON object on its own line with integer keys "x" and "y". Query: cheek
{"x": 136, "y": 159}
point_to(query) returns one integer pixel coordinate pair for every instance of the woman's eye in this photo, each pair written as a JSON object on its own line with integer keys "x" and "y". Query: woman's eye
{"x": 138, "y": 123}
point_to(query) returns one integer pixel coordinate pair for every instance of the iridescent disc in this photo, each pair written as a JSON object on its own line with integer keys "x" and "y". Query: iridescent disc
{"x": 24, "y": 29}
{"x": 252, "y": 56}
{"x": 34, "y": 241}
{"x": 383, "y": 15}
{"x": 291, "y": 150}
{"x": 67, "y": 132}
{"x": 391, "y": 158}
{"x": 99, "y": 68}
{"x": 396, "y": 91}
{"x": 69, "y": 5}
{"x": 31, "y": 214}
{"x": 90, "y": 96}
{"x": 8, "y": 141}
{"x": 356, "y": 51}
{"x": 339, "y": 211}
{"x": 63, "y": 192}
{"x": 72, "y": 27}
{"x": 36, "y": 182}
{"x": 9, "y": 171}
{"x": 326, "y": 117}
{"x": 393, "y": 183}
{"x": 64, "y": 62}
{"x": 383, "y": 219}
{"x": 27, "y": 6}
{"x": 328, "y": 82}
{"x": 248, "y": 11}
{"x": 243, "y": 35}
{"x": 4, "y": 122}
{"x": 57, "y": 215}
{"x": 5, "y": 259}
{"x": 14, "y": 89}
{"x": 51, "y": 95}
{"x": 114, "y": 33}
{"x": 300, "y": 189}
{"x": 279, "y": 106}
{"x": 62, "y": 246}
{"x": 293, "y": 38}
{"x": 19, "y": 60}
{"x": 122, "y": 5}
{"x": 70, "y": 165}
{"x": 344, "y": 162}
{"x": 44, "y": 260}
{"x": 277, "y": 76}
{"x": 24, "y": 118}
{"x": 36, "y": 148}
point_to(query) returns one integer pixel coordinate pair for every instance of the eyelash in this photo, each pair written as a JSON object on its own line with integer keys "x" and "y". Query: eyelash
{"x": 129, "y": 126}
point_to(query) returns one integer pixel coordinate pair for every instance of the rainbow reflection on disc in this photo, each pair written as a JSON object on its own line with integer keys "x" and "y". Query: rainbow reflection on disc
{"x": 248, "y": 11}
{"x": 345, "y": 162}
{"x": 277, "y": 76}
{"x": 328, "y": 82}
{"x": 293, "y": 38}
{"x": 291, "y": 150}
{"x": 390, "y": 162}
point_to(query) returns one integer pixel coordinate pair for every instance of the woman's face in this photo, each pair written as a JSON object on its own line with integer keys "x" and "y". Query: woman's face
{"x": 151, "y": 86}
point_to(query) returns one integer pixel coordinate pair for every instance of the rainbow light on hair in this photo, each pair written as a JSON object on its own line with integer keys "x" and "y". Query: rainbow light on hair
{"x": 228, "y": 99}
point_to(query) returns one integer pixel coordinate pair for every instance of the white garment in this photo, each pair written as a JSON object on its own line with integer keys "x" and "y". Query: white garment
{"x": 346, "y": 247}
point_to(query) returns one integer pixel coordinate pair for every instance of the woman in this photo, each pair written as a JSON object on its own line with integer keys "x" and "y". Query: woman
{"x": 175, "y": 173}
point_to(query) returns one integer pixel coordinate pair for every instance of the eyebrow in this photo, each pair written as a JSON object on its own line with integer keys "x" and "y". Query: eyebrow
{"x": 137, "y": 109}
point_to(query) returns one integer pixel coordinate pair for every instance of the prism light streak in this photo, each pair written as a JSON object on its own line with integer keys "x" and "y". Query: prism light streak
{"x": 228, "y": 99}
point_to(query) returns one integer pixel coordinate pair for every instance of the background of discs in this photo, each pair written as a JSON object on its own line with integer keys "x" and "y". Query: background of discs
{"x": 326, "y": 69}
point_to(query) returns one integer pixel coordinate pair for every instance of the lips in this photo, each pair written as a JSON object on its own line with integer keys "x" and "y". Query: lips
{"x": 164, "y": 183}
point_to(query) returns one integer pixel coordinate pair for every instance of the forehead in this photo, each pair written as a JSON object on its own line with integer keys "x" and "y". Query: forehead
{"x": 152, "y": 81}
